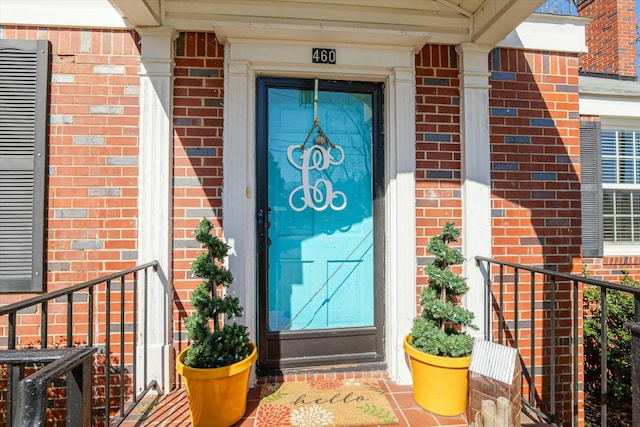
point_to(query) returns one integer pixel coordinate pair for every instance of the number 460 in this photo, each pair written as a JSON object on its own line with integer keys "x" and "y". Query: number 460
{"x": 324, "y": 56}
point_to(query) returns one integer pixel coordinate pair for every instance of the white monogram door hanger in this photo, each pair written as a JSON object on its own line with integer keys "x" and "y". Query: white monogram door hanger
{"x": 318, "y": 195}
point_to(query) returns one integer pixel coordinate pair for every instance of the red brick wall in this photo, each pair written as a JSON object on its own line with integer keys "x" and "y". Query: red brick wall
{"x": 612, "y": 268}
{"x": 197, "y": 148}
{"x": 535, "y": 175}
{"x": 535, "y": 153}
{"x": 91, "y": 208}
{"x": 535, "y": 143}
{"x": 438, "y": 186}
{"x": 610, "y": 37}
{"x": 92, "y": 153}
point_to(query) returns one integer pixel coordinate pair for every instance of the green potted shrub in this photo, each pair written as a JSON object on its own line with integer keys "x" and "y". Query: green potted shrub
{"x": 438, "y": 346}
{"x": 217, "y": 364}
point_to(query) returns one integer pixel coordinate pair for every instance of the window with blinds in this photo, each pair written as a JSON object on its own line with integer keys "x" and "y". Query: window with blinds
{"x": 621, "y": 185}
{"x": 24, "y": 77}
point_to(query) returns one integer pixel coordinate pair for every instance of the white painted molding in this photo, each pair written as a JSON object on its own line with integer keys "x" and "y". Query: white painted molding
{"x": 155, "y": 198}
{"x": 63, "y": 13}
{"x": 401, "y": 263}
{"x": 550, "y": 33}
{"x": 494, "y": 18}
{"x": 279, "y": 54}
{"x": 617, "y": 249}
{"x": 238, "y": 196}
{"x": 476, "y": 173}
{"x": 320, "y": 34}
{"x": 141, "y": 13}
{"x": 610, "y": 106}
{"x": 620, "y": 122}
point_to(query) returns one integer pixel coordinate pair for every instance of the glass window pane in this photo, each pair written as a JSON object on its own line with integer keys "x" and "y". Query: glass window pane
{"x": 626, "y": 173}
{"x": 621, "y": 165}
{"x": 635, "y": 202}
{"x": 320, "y": 237}
{"x": 608, "y": 231}
{"x": 607, "y": 202}
{"x": 623, "y": 203}
{"x": 608, "y": 142}
{"x": 609, "y": 171}
{"x": 623, "y": 229}
{"x": 625, "y": 143}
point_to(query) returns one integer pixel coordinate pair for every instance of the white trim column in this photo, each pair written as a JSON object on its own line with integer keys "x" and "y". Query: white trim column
{"x": 154, "y": 201}
{"x": 238, "y": 198}
{"x": 476, "y": 171}
{"x": 401, "y": 221}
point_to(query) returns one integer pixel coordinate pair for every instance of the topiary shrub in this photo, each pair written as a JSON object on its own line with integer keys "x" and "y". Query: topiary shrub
{"x": 439, "y": 329}
{"x": 213, "y": 343}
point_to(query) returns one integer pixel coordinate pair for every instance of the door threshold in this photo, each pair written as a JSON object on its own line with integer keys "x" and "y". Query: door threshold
{"x": 345, "y": 371}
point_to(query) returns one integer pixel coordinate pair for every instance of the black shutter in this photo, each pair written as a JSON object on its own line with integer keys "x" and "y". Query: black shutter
{"x": 591, "y": 189}
{"x": 24, "y": 78}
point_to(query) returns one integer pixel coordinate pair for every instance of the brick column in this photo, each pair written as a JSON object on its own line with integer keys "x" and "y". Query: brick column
{"x": 610, "y": 37}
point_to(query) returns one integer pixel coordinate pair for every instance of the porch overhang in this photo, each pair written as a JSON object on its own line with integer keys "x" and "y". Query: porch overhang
{"x": 409, "y": 22}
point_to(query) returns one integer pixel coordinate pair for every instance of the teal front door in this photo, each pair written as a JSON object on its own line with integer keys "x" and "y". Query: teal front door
{"x": 319, "y": 221}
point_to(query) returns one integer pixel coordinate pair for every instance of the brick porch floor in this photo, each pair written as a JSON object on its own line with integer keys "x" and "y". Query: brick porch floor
{"x": 173, "y": 409}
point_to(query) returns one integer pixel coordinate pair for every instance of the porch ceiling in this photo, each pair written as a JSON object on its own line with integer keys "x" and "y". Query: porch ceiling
{"x": 436, "y": 21}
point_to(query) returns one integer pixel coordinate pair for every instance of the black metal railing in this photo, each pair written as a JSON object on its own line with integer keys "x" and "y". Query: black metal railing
{"x": 90, "y": 314}
{"x": 30, "y": 406}
{"x": 538, "y": 311}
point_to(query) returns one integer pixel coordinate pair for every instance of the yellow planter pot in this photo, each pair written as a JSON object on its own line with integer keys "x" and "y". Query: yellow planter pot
{"x": 440, "y": 384}
{"x": 217, "y": 396}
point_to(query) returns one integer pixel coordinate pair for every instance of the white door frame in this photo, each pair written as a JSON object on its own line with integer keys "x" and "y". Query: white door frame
{"x": 392, "y": 65}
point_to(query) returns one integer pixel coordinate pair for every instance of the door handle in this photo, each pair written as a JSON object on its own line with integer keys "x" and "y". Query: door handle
{"x": 262, "y": 219}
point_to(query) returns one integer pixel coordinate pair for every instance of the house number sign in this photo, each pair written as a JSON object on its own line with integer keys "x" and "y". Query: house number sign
{"x": 323, "y": 56}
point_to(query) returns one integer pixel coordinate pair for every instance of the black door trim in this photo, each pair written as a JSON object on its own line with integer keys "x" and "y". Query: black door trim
{"x": 328, "y": 346}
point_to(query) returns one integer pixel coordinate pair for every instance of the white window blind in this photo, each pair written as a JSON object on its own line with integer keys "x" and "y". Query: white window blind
{"x": 621, "y": 185}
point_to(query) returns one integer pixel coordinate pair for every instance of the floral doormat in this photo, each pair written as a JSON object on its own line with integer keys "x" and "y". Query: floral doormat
{"x": 320, "y": 403}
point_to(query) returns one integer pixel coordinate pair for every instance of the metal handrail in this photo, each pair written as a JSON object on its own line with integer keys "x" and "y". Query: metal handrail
{"x": 530, "y": 370}
{"x": 39, "y": 299}
{"x": 566, "y": 276}
{"x": 97, "y": 288}
{"x": 32, "y": 398}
